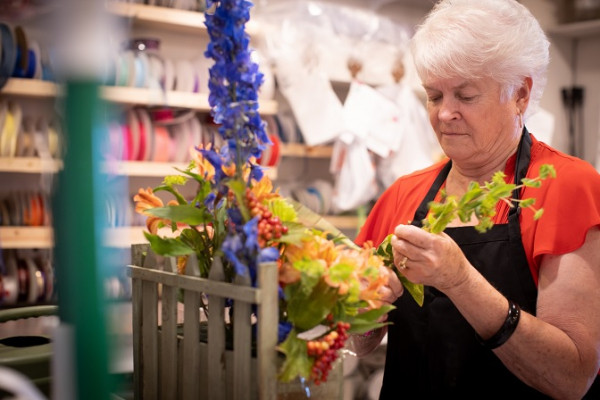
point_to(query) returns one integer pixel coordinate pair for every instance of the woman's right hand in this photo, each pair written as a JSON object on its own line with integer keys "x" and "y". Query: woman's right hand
{"x": 392, "y": 291}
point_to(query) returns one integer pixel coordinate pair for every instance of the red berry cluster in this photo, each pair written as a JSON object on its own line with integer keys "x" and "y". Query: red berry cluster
{"x": 269, "y": 225}
{"x": 325, "y": 351}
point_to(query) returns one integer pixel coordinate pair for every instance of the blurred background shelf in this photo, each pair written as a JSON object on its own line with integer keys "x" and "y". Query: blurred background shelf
{"x": 29, "y": 165}
{"x": 26, "y": 237}
{"x": 125, "y": 95}
{"x": 302, "y": 150}
{"x": 154, "y": 169}
{"x": 30, "y": 88}
{"x": 171, "y": 19}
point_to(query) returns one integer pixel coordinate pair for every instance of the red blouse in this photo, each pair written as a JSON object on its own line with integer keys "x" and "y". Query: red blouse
{"x": 571, "y": 204}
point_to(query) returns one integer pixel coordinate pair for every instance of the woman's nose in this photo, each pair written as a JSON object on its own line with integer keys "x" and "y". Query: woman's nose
{"x": 448, "y": 111}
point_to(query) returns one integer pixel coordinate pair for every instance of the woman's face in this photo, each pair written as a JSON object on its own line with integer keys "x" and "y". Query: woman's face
{"x": 471, "y": 123}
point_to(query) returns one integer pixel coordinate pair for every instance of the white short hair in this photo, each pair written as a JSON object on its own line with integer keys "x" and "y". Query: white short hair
{"x": 474, "y": 39}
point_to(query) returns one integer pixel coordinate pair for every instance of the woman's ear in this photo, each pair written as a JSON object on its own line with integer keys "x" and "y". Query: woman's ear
{"x": 523, "y": 94}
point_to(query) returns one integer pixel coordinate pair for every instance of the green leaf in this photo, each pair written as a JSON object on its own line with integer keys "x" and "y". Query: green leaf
{"x": 373, "y": 315}
{"x": 296, "y": 232}
{"x": 203, "y": 191}
{"x": 311, "y": 272}
{"x": 297, "y": 363}
{"x": 538, "y": 214}
{"x": 188, "y": 172}
{"x": 239, "y": 190}
{"x": 534, "y": 183}
{"x": 363, "y": 326}
{"x": 284, "y": 210}
{"x": 187, "y": 214}
{"x": 547, "y": 170}
{"x": 172, "y": 190}
{"x": 416, "y": 290}
{"x": 168, "y": 247}
{"x": 527, "y": 202}
{"x": 306, "y": 312}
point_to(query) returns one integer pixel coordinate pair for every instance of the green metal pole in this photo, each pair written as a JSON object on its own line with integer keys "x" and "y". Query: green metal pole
{"x": 78, "y": 235}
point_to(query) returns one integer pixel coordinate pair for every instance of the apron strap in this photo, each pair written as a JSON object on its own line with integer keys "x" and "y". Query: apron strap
{"x": 421, "y": 212}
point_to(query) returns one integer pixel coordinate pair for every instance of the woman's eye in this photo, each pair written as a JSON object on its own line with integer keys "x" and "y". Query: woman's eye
{"x": 466, "y": 98}
{"x": 433, "y": 99}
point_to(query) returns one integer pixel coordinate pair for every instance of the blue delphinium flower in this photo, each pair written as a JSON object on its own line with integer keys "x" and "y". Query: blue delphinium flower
{"x": 234, "y": 81}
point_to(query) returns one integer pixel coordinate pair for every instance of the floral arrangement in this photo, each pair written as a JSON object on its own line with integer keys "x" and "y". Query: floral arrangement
{"x": 324, "y": 278}
{"x": 237, "y": 215}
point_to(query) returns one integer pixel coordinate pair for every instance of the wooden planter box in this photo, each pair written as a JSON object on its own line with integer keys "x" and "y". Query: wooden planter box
{"x": 168, "y": 365}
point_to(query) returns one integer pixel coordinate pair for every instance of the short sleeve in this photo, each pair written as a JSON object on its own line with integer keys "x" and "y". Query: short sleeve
{"x": 377, "y": 225}
{"x": 571, "y": 205}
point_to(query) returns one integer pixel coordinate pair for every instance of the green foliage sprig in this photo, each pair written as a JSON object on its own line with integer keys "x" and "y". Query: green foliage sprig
{"x": 479, "y": 201}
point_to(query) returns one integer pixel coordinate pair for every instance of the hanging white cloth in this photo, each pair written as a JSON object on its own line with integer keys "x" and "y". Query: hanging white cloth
{"x": 316, "y": 107}
{"x": 541, "y": 125}
{"x": 354, "y": 173}
{"x": 370, "y": 124}
{"x": 417, "y": 146}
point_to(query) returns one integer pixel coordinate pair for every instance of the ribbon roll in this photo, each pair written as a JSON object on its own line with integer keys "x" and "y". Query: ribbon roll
{"x": 37, "y": 52}
{"x": 46, "y": 267}
{"x": 146, "y": 122}
{"x": 141, "y": 156}
{"x": 163, "y": 144}
{"x": 32, "y": 284}
{"x": 9, "y": 54}
{"x": 6, "y": 221}
{"x": 134, "y": 135}
{"x": 22, "y": 48}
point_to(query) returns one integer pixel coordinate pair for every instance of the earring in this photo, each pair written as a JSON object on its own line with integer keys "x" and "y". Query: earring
{"x": 520, "y": 120}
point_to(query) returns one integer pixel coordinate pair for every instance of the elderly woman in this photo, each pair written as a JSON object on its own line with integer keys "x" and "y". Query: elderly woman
{"x": 514, "y": 311}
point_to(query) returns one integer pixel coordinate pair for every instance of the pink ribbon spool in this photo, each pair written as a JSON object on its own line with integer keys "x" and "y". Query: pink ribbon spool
{"x": 142, "y": 144}
{"x": 163, "y": 144}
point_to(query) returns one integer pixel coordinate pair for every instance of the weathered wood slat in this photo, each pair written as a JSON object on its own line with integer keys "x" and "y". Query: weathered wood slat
{"x": 267, "y": 331}
{"x": 137, "y": 255}
{"x": 216, "y": 336}
{"x": 242, "y": 348}
{"x": 246, "y": 294}
{"x": 150, "y": 332}
{"x": 168, "y": 355}
{"x": 136, "y": 309}
{"x": 191, "y": 332}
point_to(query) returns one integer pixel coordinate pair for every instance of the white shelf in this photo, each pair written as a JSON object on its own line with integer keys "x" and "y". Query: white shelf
{"x": 154, "y": 169}
{"x": 24, "y": 237}
{"x": 29, "y": 165}
{"x": 125, "y": 95}
{"x": 302, "y": 150}
{"x": 30, "y": 88}
{"x": 166, "y": 18}
{"x": 577, "y": 29}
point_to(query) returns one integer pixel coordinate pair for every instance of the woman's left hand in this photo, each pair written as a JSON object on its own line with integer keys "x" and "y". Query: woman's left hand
{"x": 431, "y": 259}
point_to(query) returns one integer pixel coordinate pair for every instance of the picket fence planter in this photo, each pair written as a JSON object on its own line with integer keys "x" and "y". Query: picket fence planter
{"x": 171, "y": 365}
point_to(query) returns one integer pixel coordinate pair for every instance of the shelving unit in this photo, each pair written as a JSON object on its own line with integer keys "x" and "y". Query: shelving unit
{"x": 301, "y": 150}
{"x": 154, "y": 169}
{"x": 25, "y": 237}
{"x": 29, "y": 165}
{"x": 124, "y": 95}
{"x": 577, "y": 29}
{"x": 165, "y": 18}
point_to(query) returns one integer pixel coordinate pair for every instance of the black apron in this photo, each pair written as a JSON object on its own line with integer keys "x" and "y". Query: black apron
{"x": 432, "y": 352}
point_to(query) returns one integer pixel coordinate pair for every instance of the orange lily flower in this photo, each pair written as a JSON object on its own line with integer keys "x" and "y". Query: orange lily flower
{"x": 203, "y": 167}
{"x": 145, "y": 200}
